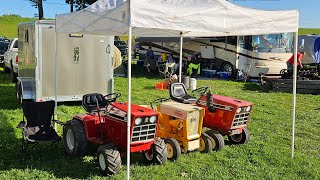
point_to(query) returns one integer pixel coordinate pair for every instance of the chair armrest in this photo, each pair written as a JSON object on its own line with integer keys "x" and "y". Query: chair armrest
{"x": 22, "y": 124}
{"x": 58, "y": 122}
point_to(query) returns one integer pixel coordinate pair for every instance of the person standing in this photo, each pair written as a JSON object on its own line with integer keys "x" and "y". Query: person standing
{"x": 291, "y": 61}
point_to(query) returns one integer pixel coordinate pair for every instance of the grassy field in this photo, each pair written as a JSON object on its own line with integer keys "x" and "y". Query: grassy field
{"x": 266, "y": 156}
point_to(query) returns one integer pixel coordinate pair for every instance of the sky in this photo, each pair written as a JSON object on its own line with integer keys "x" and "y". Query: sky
{"x": 309, "y": 9}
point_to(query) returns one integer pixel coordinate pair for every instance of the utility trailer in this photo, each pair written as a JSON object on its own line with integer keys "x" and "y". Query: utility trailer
{"x": 83, "y": 63}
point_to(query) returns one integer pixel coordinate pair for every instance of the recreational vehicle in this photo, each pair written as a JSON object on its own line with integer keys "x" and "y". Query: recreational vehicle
{"x": 259, "y": 54}
{"x": 66, "y": 65}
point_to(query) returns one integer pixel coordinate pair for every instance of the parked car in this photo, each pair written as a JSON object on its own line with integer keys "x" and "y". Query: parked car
{"x": 3, "y": 49}
{"x": 122, "y": 46}
{"x": 11, "y": 60}
{"x": 4, "y": 39}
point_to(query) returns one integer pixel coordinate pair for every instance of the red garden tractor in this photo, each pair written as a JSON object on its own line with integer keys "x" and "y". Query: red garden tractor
{"x": 224, "y": 116}
{"x": 105, "y": 127}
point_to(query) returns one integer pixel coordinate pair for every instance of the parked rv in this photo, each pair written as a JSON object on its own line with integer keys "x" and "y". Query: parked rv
{"x": 42, "y": 52}
{"x": 265, "y": 54}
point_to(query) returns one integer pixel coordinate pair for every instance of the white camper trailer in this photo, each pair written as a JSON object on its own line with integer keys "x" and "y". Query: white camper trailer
{"x": 261, "y": 54}
{"x": 83, "y": 63}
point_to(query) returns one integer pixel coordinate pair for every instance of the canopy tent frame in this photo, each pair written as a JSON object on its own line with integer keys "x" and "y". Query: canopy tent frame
{"x": 129, "y": 23}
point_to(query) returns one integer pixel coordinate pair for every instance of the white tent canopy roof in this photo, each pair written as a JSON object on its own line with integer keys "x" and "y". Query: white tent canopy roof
{"x": 171, "y": 17}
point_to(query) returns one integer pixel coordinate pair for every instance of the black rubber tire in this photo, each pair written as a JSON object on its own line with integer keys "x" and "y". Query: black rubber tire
{"x": 173, "y": 145}
{"x": 205, "y": 138}
{"x": 6, "y": 70}
{"x": 19, "y": 93}
{"x": 157, "y": 154}
{"x": 225, "y": 64}
{"x": 216, "y": 139}
{"x": 242, "y": 138}
{"x": 13, "y": 77}
{"x": 111, "y": 158}
{"x": 80, "y": 146}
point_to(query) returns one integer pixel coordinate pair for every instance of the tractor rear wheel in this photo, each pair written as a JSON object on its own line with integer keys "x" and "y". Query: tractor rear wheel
{"x": 205, "y": 143}
{"x": 241, "y": 138}
{"x": 173, "y": 148}
{"x": 109, "y": 159}
{"x": 74, "y": 137}
{"x": 158, "y": 153}
{"x": 216, "y": 140}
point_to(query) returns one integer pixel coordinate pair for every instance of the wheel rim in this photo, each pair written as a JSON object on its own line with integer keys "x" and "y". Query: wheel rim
{"x": 170, "y": 150}
{"x": 236, "y": 137}
{"x": 70, "y": 139}
{"x": 102, "y": 162}
{"x": 149, "y": 154}
{"x": 202, "y": 145}
{"x": 227, "y": 68}
{"x": 213, "y": 142}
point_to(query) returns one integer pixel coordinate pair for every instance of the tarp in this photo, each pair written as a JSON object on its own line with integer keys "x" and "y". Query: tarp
{"x": 171, "y": 17}
{"x": 310, "y": 44}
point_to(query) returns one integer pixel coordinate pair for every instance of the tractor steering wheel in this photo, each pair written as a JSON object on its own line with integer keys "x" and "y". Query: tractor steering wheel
{"x": 160, "y": 100}
{"x": 112, "y": 97}
{"x": 201, "y": 90}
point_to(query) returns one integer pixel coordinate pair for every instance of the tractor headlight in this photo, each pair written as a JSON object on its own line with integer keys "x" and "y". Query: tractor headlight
{"x": 153, "y": 119}
{"x": 138, "y": 121}
{"x": 239, "y": 110}
{"x": 248, "y": 108}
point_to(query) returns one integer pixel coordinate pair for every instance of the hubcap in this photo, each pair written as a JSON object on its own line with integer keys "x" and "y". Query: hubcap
{"x": 170, "y": 150}
{"x": 202, "y": 145}
{"x": 227, "y": 68}
{"x": 236, "y": 137}
{"x": 70, "y": 139}
{"x": 102, "y": 162}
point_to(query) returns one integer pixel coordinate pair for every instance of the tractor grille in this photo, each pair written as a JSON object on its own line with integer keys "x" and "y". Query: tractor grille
{"x": 241, "y": 118}
{"x": 144, "y": 133}
{"x": 193, "y": 123}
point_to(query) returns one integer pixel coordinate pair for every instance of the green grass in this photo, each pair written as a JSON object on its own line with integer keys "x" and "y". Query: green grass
{"x": 9, "y": 25}
{"x": 266, "y": 156}
{"x": 308, "y": 31}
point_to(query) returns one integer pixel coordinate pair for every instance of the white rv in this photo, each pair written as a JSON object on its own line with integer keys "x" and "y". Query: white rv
{"x": 83, "y": 63}
{"x": 265, "y": 54}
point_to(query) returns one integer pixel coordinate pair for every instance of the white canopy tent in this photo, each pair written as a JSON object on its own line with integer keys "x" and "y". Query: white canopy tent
{"x": 177, "y": 18}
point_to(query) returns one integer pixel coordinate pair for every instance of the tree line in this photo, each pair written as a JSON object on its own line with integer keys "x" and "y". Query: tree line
{"x": 74, "y": 4}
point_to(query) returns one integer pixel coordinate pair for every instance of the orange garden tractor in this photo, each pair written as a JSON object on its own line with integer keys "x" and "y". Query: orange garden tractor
{"x": 105, "y": 126}
{"x": 180, "y": 125}
{"x": 224, "y": 116}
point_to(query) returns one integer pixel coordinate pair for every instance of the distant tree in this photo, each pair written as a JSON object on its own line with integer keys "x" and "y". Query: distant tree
{"x": 11, "y": 15}
{"x": 39, "y": 5}
{"x": 79, "y": 4}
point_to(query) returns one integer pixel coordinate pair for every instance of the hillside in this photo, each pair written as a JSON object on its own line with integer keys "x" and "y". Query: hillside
{"x": 8, "y": 25}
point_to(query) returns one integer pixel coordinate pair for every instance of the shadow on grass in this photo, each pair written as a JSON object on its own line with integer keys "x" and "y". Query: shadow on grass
{"x": 249, "y": 86}
{"x": 40, "y": 156}
{"x": 8, "y": 97}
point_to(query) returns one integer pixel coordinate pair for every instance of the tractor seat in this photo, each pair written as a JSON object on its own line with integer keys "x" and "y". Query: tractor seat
{"x": 179, "y": 94}
{"x": 90, "y": 102}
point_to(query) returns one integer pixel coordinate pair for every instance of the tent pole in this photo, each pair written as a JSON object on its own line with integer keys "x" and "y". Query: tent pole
{"x": 294, "y": 90}
{"x": 180, "y": 58}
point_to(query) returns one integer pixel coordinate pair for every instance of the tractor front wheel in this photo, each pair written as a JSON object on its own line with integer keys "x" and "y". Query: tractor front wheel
{"x": 158, "y": 153}
{"x": 241, "y": 138}
{"x": 109, "y": 159}
{"x": 74, "y": 137}
{"x": 205, "y": 143}
{"x": 173, "y": 148}
{"x": 216, "y": 140}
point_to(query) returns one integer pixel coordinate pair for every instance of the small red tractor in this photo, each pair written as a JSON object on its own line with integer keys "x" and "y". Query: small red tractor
{"x": 105, "y": 128}
{"x": 224, "y": 116}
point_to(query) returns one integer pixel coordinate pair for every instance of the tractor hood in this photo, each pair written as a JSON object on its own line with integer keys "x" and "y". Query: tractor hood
{"x": 136, "y": 110}
{"x": 230, "y": 101}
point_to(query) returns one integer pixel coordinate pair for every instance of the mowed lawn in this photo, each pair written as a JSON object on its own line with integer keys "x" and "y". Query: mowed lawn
{"x": 266, "y": 156}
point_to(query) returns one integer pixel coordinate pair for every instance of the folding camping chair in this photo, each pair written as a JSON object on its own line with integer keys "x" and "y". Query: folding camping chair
{"x": 167, "y": 71}
{"x": 38, "y": 128}
{"x": 243, "y": 73}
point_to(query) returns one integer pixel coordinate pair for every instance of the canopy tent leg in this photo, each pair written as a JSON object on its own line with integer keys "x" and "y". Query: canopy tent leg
{"x": 294, "y": 90}
{"x": 180, "y": 58}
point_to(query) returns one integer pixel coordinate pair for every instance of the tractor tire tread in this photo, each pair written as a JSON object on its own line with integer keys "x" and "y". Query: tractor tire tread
{"x": 176, "y": 147}
{"x": 160, "y": 151}
{"x": 218, "y": 138}
{"x": 113, "y": 158}
{"x": 81, "y": 144}
{"x": 207, "y": 142}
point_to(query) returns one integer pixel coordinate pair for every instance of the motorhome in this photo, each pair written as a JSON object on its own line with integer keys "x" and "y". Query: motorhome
{"x": 66, "y": 65}
{"x": 259, "y": 54}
